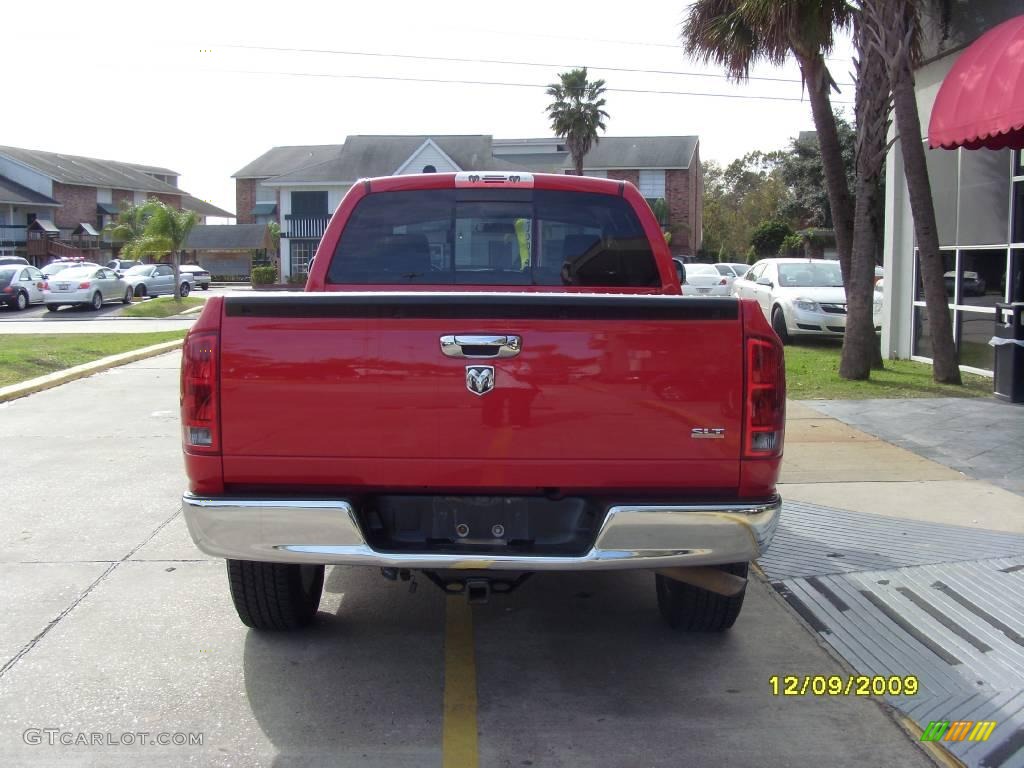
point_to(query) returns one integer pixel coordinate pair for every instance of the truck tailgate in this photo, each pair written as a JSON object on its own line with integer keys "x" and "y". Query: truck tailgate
{"x": 606, "y": 392}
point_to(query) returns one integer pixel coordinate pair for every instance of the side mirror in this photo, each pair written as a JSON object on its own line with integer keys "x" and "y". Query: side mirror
{"x": 765, "y": 282}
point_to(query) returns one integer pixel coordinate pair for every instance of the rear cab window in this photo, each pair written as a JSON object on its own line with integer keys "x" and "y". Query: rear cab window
{"x": 494, "y": 237}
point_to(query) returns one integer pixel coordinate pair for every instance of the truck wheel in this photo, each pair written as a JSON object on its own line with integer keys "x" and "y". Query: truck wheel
{"x": 275, "y": 595}
{"x": 692, "y": 609}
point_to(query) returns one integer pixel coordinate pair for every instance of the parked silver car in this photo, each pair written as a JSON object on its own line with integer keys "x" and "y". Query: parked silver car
{"x": 801, "y": 297}
{"x": 122, "y": 265}
{"x": 705, "y": 280}
{"x": 60, "y": 265}
{"x": 156, "y": 280}
{"x": 85, "y": 286}
{"x": 732, "y": 269}
{"x": 200, "y": 276}
{"x": 20, "y": 286}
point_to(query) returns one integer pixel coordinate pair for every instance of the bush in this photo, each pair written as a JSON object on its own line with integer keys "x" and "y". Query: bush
{"x": 297, "y": 279}
{"x": 792, "y": 245}
{"x": 264, "y": 275}
{"x": 768, "y": 237}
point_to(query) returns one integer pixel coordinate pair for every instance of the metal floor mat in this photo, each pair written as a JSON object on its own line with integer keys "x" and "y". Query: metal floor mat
{"x": 900, "y": 597}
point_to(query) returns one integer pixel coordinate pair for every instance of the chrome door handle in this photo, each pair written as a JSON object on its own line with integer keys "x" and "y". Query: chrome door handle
{"x": 481, "y": 346}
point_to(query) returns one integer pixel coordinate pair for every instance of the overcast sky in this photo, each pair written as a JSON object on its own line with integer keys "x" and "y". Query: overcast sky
{"x": 159, "y": 84}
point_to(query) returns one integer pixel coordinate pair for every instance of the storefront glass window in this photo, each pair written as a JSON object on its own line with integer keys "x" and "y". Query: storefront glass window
{"x": 984, "y": 197}
{"x": 948, "y": 269}
{"x": 982, "y": 277}
{"x": 942, "y": 172}
{"x": 976, "y": 328}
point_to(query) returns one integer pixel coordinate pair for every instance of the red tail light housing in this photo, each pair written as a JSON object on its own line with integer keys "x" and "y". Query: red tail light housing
{"x": 200, "y": 393}
{"x": 84, "y": 284}
{"x": 46, "y": 285}
{"x": 764, "y": 420}
{"x": 723, "y": 281}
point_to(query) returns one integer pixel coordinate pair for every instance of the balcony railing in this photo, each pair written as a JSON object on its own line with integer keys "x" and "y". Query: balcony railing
{"x": 305, "y": 227}
{"x": 12, "y": 235}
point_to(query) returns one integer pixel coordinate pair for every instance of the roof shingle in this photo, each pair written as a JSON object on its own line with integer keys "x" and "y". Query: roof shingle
{"x": 88, "y": 171}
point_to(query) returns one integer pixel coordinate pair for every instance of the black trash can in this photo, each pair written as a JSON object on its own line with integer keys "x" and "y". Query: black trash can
{"x": 1008, "y": 375}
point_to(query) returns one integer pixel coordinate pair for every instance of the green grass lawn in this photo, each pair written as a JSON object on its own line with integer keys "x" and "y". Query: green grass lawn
{"x": 812, "y": 371}
{"x": 165, "y": 306}
{"x": 25, "y": 356}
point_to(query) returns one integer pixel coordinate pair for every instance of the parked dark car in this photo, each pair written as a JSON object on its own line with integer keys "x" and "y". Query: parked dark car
{"x": 972, "y": 284}
{"x": 20, "y": 285}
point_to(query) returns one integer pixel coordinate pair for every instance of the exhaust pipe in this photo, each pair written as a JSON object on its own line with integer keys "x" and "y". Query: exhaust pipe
{"x": 706, "y": 577}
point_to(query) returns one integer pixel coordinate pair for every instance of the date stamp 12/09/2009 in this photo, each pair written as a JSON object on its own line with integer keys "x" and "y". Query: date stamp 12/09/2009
{"x": 843, "y": 685}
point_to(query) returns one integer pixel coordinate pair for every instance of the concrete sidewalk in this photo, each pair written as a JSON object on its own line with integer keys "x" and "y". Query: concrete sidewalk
{"x": 830, "y": 463}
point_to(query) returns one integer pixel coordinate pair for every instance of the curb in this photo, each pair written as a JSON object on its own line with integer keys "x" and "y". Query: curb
{"x": 55, "y": 379}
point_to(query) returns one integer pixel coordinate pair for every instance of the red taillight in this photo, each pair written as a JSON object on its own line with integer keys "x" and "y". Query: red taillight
{"x": 85, "y": 284}
{"x": 8, "y": 289}
{"x": 46, "y": 285}
{"x": 766, "y": 398}
{"x": 200, "y": 381}
{"x": 723, "y": 281}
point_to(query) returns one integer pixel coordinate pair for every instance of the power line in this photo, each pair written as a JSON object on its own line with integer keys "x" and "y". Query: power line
{"x": 642, "y": 43}
{"x": 461, "y": 60}
{"x": 397, "y": 78}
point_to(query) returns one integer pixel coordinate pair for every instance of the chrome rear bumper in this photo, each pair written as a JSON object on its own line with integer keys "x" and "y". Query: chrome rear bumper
{"x": 632, "y": 536}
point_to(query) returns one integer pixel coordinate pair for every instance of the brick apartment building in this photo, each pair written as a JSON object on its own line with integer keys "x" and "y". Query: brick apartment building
{"x": 68, "y": 194}
{"x": 300, "y": 186}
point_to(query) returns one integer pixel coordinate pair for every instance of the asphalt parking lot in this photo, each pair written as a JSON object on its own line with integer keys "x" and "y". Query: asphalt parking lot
{"x": 64, "y": 314}
{"x": 115, "y": 624}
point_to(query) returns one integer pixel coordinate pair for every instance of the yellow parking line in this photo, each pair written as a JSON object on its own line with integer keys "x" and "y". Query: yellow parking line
{"x": 459, "y": 746}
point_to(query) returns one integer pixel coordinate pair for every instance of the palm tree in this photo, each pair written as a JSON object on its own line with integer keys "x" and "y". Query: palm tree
{"x": 129, "y": 224}
{"x": 577, "y": 112}
{"x": 872, "y": 107}
{"x": 738, "y": 33}
{"x": 896, "y": 33}
{"x": 166, "y": 231}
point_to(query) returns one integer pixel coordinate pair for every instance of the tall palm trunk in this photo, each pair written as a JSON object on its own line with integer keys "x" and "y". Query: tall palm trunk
{"x": 176, "y": 266}
{"x": 945, "y": 367}
{"x": 818, "y": 81}
{"x": 895, "y": 20}
{"x": 860, "y": 344}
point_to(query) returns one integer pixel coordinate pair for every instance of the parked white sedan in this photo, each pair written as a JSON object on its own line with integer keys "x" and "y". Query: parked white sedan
{"x": 705, "y": 280}
{"x": 801, "y": 297}
{"x": 85, "y": 286}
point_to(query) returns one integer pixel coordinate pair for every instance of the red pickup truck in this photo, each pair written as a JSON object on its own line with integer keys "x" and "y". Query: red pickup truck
{"x": 489, "y": 375}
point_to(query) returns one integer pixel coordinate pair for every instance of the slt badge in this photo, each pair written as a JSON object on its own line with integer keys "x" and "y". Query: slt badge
{"x": 479, "y": 379}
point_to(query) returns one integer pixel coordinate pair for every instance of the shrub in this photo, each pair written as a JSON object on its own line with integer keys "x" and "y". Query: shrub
{"x": 264, "y": 275}
{"x": 297, "y": 279}
{"x": 768, "y": 237}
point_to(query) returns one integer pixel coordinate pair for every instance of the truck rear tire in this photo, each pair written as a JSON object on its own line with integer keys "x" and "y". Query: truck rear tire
{"x": 275, "y": 595}
{"x": 692, "y": 609}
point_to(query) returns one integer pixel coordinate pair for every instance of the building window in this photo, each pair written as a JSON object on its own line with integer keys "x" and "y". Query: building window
{"x": 429, "y": 169}
{"x": 979, "y": 204}
{"x": 309, "y": 204}
{"x": 302, "y": 252}
{"x": 652, "y": 184}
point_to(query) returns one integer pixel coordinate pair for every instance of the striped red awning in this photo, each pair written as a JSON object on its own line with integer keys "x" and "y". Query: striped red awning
{"x": 981, "y": 101}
